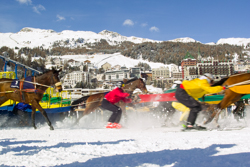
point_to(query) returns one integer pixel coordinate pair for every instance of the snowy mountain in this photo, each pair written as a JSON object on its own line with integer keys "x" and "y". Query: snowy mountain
{"x": 184, "y": 40}
{"x": 46, "y": 38}
{"x": 113, "y": 36}
{"x": 34, "y": 37}
{"x": 235, "y": 41}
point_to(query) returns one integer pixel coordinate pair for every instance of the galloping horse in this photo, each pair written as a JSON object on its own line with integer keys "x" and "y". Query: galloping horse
{"x": 238, "y": 86}
{"x": 32, "y": 96}
{"x": 92, "y": 102}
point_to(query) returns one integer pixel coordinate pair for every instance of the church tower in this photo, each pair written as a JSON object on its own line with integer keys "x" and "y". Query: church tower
{"x": 199, "y": 55}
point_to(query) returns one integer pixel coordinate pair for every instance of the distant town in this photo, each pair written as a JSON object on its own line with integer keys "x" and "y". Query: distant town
{"x": 86, "y": 76}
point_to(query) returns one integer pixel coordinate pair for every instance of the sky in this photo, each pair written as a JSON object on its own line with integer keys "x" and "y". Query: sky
{"x": 203, "y": 20}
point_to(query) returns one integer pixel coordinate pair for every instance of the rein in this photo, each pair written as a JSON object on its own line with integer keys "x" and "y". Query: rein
{"x": 129, "y": 90}
{"x": 35, "y": 83}
{"x": 84, "y": 103}
{"x": 237, "y": 84}
{"x": 31, "y": 90}
{"x": 29, "y": 82}
{"x": 240, "y": 83}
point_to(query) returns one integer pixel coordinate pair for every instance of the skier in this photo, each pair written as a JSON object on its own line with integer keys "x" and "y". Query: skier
{"x": 188, "y": 93}
{"x": 109, "y": 101}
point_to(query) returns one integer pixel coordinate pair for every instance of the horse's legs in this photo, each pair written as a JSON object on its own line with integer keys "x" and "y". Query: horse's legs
{"x": 91, "y": 103}
{"x": 85, "y": 112}
{"x": 211, "y": 117}
{"x": 226, "y": 101}
{"x": 216, "y": 118}
{"x": 3, "y": 99}
{"x": 37, "y": 105}
{"x": 238, "y": 112}
{"x": 33, "y": 116}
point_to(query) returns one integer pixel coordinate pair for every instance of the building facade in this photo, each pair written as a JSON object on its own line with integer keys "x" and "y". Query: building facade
{"x": 215, "y": 67}
{"x": 70, "y": 80}
{"x": 106, "y": 66}
{"x": 136, "y": 72}
{"x": 188, "y": 60}
{"x": 193, "y": 69}
{"x": 123, "y": 73}
{"x": 160, "y": 73}
{"x": 117, "y": 75}
{"x": 177, "y": 75}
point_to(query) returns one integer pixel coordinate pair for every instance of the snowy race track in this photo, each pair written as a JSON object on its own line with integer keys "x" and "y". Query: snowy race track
{"x": 142, "y": 143}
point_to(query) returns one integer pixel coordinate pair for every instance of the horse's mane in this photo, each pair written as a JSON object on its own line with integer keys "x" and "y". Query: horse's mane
{"x": 45, "y": 71}
{"x": 220, "y": 82}
{"x": 131, "y": 80}
{"x": 239, "y": 74}
{"x": 37, "y": 75}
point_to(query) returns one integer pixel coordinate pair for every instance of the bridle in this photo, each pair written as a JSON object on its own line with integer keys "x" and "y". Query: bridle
{"x": 130, "y": 89}
{"x": 53, "y": 83}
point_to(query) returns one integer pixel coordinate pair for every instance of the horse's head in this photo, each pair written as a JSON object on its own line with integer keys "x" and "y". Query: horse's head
{"x": 55, "y": 79}
{"x": 142, "y": 86}
{"x": 132, "y": 84}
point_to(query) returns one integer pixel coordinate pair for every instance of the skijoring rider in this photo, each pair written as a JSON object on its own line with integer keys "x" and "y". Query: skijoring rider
{"x": 109, "y": 101}
{"x": 188, "y": 93}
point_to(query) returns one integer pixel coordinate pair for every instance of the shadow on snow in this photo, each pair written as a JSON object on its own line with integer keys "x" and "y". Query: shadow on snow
{"x": 195, "y": 157}
{"x": 178, "y": 158}
{"x": 31, "y": 150}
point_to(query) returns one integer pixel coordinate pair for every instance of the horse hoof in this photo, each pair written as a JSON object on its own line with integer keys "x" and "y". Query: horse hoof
{"x": 51, "y": 128}
{"x": 218, "y": 126}
{"x": 35, "y": 127}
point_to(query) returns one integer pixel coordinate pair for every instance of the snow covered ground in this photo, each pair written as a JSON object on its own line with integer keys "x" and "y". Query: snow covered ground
{"x": 142, "y": 142}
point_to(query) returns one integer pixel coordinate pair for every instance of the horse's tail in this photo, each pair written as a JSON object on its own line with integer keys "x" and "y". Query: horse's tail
{"x": 75, "y": 103}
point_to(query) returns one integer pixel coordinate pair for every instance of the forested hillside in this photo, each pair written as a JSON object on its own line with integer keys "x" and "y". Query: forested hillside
{"x": 164, "y": 52}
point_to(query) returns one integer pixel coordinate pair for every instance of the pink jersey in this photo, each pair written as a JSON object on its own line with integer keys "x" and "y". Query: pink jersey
{"x": 116, "y": 95}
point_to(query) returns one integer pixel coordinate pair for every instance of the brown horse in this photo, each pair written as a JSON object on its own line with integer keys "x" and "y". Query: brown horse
{"x": 231, "y": 96}
{"x": 92, "y": 102}
{"x": 31, "y": 96}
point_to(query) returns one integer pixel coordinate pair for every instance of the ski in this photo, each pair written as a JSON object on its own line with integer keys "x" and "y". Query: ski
{"x": 227, "y": 129}
{"x": 193, "y": 130}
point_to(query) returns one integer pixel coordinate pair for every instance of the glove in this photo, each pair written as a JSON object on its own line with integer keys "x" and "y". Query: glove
{"x": 136, "y": 99}
{"x": 128, "y": 101}
{"x": 225, "y": 87}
